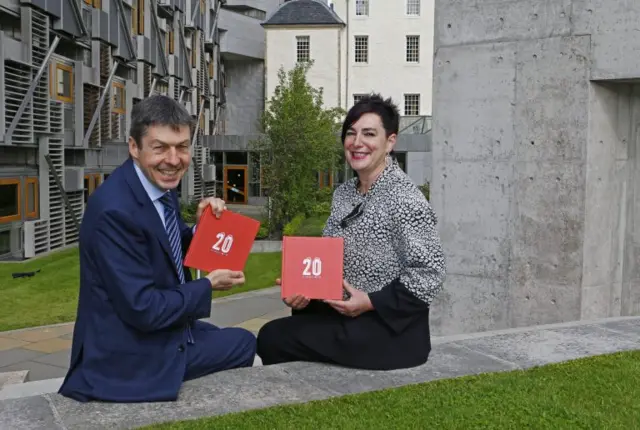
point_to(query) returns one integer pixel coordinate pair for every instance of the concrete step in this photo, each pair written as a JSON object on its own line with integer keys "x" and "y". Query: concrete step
{"x": 11, "y": 378}
{"x": 31, "y": 388}
{"x": 18, "y": 390}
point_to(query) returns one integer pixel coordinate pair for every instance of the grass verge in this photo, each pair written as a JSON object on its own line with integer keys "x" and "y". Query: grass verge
{"x": 592, "y": 393}
{"x": 51, "y": 296}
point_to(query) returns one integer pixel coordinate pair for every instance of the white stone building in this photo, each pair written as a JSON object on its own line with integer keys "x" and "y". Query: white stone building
{"x": 358, "y": 47}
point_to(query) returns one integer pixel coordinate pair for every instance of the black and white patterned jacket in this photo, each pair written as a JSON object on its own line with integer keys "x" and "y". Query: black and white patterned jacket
{"x": 389, "y": 234}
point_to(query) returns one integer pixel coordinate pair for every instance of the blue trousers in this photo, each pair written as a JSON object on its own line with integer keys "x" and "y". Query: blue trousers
{"x": 216, "y": 349}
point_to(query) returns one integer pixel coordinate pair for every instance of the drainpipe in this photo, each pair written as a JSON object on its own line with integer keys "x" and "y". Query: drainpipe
{"x": 348, "y": 65}
{"x": 29, "y": 95}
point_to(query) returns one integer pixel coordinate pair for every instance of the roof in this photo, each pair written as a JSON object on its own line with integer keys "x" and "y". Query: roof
{"x": 303, "y": 12}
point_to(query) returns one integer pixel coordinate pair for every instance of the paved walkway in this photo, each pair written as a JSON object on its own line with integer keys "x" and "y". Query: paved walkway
{"x": 45, "y": 351}
{"x": 259, "y": 387}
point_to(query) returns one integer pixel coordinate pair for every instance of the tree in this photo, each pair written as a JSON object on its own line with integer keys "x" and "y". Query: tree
{"x": 299, "y": 140}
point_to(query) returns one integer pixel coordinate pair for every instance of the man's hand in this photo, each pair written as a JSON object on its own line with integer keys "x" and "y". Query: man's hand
{"x": 223, "y": 279}
{"x": 296, "y": 302}
{"x": 356, "y": 305}
{"x": 217, "y": 207}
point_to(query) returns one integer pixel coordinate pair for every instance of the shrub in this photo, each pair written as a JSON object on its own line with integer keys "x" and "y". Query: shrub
{"x": 312, "y": 226}
{"x": 291, "y": 228}
{"x": 425, "y": 190}
{"x": 188, "y": 212}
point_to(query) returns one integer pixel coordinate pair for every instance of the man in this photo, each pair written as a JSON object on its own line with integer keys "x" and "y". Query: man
{"x": 136, "y": 334}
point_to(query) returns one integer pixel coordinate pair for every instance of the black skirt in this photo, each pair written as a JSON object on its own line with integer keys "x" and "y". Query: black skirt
{"x": 394, "y": 335}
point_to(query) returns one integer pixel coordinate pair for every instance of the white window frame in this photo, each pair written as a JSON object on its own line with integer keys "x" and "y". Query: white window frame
{"x": 362, "y": 7}
{"x": 358, "y": 96}
{"x": 409, "y": 99}
{"x": 356, "y": 45}
{"x": 300, "y": 48}
{"x": 413, "y": 8}
{"x": 412, "y": 53}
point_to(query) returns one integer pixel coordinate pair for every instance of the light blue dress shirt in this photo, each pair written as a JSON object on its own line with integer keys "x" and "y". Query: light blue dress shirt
{"x": 153, "y": 192}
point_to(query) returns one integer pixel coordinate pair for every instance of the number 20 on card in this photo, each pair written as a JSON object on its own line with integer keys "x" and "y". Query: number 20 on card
{"x": 317, "y": 274}
{"x": 223, "y": 243}
{"x": 312, "y": 267}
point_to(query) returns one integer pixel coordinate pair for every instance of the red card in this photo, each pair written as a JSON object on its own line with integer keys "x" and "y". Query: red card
{"x": 222, "y": 243}
{"x": 312, "y": 267}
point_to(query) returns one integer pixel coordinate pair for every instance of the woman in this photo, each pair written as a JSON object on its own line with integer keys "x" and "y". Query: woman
{"x": 393, "y": 262}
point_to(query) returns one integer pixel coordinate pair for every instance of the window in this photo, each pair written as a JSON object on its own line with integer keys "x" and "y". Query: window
{"x": 63, "y": 86}
{"x": 358, "y": 97}
{"x": 413, "y": 7}
{"x": 119, "y": 105}
{"x": 32, "y": 198}
{"x": 401, "y": 158}
{"x": 325, "y": 179}
{"x": 95, "y": 3}
{"x": 362, "y": 49}
{"x": 134, "y": 19}
{"x": 362, "y": 7}
{"x": 194, "y": 51}
{"x": 303, "y": 48}
{"x": 413, "y": 49}
{"x": 5, "y": 242}
{"x": 91, "y": 182}
{"x": 170, "y": 42}
{"x": 10, "y": 200}
{"x": 412, "y": 104}
{"x": 140, "y": 9}
{"x": 86, "y": 16}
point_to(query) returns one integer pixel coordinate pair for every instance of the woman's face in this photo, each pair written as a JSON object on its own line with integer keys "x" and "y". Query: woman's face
{"x": 366, "y": 144}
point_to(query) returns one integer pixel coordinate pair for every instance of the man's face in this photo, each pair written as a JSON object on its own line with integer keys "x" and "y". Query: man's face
{"x": 164, "y": 154}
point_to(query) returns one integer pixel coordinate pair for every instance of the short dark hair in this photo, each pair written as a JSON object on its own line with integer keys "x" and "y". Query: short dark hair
{"x": 158, "y": 109}
{"x": 386, "y": 109}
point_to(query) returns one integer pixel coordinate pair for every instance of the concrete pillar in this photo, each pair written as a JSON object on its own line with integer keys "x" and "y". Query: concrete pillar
{"x": 533, "y": 166}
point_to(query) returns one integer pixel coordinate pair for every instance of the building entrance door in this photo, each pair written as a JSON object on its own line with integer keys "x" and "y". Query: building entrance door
{"x": 235, "y": 184}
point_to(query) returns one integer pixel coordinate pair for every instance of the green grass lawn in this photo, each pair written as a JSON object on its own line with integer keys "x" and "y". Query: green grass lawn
{"x": 51, "y": 296}
{"x": 594, "y": 393}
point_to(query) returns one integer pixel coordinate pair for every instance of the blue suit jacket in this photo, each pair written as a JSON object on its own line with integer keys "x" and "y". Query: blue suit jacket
{"x": 131, "y": 327}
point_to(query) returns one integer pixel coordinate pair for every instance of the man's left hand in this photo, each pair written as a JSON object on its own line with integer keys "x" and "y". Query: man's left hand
{"x": 356, "y": 305}
{"x": 217, "y": 207}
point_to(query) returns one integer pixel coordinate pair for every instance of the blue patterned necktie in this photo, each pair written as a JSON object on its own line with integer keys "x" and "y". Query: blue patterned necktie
{"x": 173, "y": 233}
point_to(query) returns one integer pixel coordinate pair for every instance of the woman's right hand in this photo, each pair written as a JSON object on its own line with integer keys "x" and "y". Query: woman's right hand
{"x": 223, "y": 279}
{"x": 296, "y": 302}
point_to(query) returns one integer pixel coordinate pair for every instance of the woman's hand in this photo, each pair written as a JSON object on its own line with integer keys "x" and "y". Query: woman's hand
{"x": 356, "y": 305}
{"x": 296, "y": 302}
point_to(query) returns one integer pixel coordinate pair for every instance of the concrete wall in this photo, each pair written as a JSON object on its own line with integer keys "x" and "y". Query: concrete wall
{"x": 245, "y": 96}
{"x": 242, "y": 35}
{"x": 534, "y": 163}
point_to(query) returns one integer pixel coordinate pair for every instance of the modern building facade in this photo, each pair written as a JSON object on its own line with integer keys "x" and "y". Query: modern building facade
{"x": 358, "y": 47}
{"x": 70, "y": 72}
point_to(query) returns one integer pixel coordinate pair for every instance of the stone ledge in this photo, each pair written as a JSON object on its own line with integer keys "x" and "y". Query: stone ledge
{"x": 12, "y": 378}
{"x": 259, "y": 387}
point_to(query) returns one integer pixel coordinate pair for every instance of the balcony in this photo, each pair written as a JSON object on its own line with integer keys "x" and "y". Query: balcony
{"x": 254, "y": 8}
{"x": 241, "y": 37}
